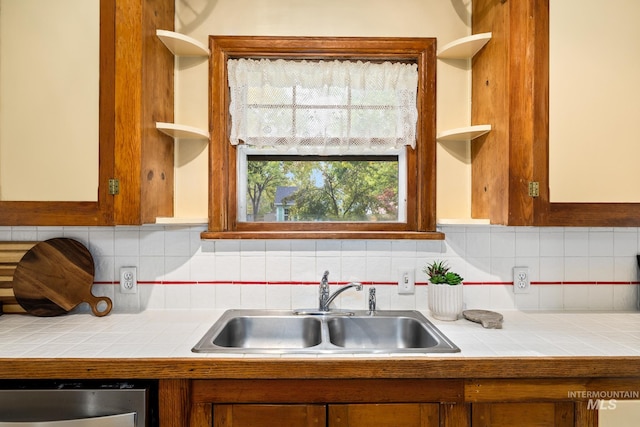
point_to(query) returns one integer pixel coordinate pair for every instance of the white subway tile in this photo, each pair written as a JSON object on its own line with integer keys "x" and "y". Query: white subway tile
{"x": 601, "y": 297}
{"x": 278, "y": 297}
{"x": 503, "y": 244}
{"x": 253, "y": 296}
{"x": 575, "y": 297}
{"x": 227, "y": 296}
{"x": 177, "y": 269}
{"x": 203, "y": 268}
{"x": 551, "y": 297}
{"x": 576, "y": 243}
{"x": 551, "y": 242}
{"x": 277, "y": 268}
{"x": 127, "y": 242}
{"x": 601, "y": 243}
{"x": 601, "y": 269}
{"x": 625, "y": 297}
{"x": 151, "y": 242}
{"x": 625, "y": 242}
{"x": 177, "y": 242}
{"x": 478, "y": 244}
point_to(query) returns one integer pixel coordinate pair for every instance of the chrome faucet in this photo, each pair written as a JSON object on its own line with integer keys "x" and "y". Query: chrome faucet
{"x": 372, "y": 300}
{"x": 326, "y": 298}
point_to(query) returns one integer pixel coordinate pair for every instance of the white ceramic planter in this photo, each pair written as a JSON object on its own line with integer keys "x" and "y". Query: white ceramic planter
{"x": 445, "y": 301}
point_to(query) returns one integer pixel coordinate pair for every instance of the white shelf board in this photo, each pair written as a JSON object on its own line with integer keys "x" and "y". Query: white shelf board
{"x": 465, "y": 47}
{"x": 463, "y": 134}
{"x": 181, "y": 131}
{"x": 463, "y": 221}
{"x": 182, "y": 45}
{"x": 181, "y": 221}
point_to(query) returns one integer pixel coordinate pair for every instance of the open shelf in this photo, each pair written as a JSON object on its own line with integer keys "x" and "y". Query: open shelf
{"x": 463, "y": 134}
{"x": 182, "y": 45}
{"x": 182, "y": 131}
{"x": 181, "y": 221}
{"x": 462, "y": 221}
{"x": 465, "y": 47}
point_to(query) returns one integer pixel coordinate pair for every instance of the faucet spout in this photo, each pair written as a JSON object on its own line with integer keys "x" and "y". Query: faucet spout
{"x": 326, "y": 301}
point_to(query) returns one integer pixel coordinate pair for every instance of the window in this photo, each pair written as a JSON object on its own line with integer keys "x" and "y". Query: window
{"x": 276, "y": 173}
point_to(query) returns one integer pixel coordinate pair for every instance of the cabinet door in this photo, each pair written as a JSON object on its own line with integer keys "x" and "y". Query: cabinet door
{"x": 269, "y": 415}
{"x": 538, "y": 414}
{"x": 58, "y": 143}
{"x": 384, "y": 415}
{"x": 510, "y": 90}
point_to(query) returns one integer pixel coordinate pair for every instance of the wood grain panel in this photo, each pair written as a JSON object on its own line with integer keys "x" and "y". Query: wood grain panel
{"x": 322, "y": 390}
{"x": 157, "y": 155}
{"x": 384, "y": 415}
{"x": 10, "y": 254}
{"x": 510, "y": 91}
{"x": 174, "y": 402}
{"x": 489, "y": 104}
{"x": 144, "y": 94}
{"x": 615, "y": 369}
{"x": 454, "y": 415}
{"x": 269, "y": 415}
{"x": 522, "y": 415}
{"x": 201, "y": 415}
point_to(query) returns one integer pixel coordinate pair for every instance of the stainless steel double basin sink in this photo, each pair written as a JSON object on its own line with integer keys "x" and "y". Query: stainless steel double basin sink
{"x": 285, "y": 332}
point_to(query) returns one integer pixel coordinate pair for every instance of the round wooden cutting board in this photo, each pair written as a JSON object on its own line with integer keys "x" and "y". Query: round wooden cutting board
{"x": 54, "y": 277}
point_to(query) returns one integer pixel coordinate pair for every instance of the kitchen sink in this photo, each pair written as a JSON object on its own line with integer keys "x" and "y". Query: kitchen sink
{"x": 269, "y": 332}
{"x": 389, "y": 332}
{"x": 285, "y": 332}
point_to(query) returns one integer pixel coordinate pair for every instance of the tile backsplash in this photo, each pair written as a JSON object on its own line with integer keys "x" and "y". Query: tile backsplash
{"x": 570, "y": 268}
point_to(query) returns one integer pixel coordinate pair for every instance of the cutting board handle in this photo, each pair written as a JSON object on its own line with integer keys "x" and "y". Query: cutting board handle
{"x": 94, "y": 303}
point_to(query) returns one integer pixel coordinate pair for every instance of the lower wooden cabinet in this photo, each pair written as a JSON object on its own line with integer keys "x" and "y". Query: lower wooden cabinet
{"x": 339, "y": 415}
{"x": 380, "y": 402}
{"x": 269, "y": 415}
{"x": 538, "y": 414}
{"x": 384, "y": 415}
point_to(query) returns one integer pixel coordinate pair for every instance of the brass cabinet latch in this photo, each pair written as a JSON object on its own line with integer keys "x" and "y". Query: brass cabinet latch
{"x": 534, "y": 188}
{"x": 114, "y": 186}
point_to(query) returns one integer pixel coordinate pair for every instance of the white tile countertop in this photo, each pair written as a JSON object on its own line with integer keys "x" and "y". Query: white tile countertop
{"x": 172, "y": 334}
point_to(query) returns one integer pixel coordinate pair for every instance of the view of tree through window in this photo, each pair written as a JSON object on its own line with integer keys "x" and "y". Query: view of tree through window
{"x": 322, "y": 188}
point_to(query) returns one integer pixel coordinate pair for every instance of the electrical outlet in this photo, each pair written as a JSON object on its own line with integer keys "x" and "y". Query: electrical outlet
{"x": 521, "y": 280}
{"x": 406, "y": 281}
{"x": 128, "y": 280}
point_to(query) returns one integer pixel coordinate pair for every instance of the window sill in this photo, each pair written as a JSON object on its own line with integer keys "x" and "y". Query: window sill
{"x": 345, "y": 235}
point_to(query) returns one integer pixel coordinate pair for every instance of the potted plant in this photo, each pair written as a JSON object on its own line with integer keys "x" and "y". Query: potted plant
{"x": 444, "y": 291}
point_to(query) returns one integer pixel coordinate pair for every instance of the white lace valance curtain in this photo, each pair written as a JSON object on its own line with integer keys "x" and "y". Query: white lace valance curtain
{"x": 347, "y": 105}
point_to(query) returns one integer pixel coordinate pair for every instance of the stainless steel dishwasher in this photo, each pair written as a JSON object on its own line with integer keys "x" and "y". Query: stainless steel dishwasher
{"x": 73, "y": 408}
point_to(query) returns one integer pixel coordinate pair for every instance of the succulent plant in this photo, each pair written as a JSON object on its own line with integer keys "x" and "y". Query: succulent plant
{"x": 439, "y": 273}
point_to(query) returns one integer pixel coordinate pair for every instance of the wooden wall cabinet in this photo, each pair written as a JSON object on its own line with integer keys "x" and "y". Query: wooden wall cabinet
{"x": 510, "y": 91}
{"x": 136, "y": 91}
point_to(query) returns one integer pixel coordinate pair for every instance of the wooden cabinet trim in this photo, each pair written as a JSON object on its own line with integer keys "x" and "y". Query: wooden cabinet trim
{"x": 527, "y": 390}
{"x": 325, "y": 390}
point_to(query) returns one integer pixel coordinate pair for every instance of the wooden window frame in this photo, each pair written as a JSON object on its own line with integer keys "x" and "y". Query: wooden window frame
{"x": 421, "y": 161}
